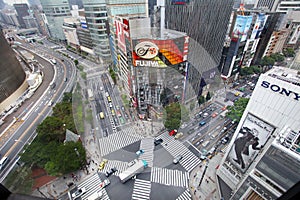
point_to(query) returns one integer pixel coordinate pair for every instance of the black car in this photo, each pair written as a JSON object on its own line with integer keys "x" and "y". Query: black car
{"x": 110, "y": 172}
{"x": 158, "y": 141}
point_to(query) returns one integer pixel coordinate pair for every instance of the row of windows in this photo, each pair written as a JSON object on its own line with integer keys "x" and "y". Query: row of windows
{"x": 95, "y": 15}
{"x": 87, "y": 9}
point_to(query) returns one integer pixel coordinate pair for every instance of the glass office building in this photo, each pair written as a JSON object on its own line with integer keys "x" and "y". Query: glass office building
{"x": 56, "y": 11}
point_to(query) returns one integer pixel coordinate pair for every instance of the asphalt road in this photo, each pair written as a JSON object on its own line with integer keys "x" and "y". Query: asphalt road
{"x": 34, "y": 113}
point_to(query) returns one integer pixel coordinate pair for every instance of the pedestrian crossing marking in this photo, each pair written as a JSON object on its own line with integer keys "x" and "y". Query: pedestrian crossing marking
{"x": 169, "y": 177}
{"x": 141, "y": 190}
{"x": 189, "y": 161}
{"x": 118, "y": 140}
{"x": 147, "y": 144}
{"x": 92, "y": 185}
{"x": 186, "y": 195}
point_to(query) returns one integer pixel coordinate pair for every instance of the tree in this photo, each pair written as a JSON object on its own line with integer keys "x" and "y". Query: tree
{"x": 289, "y": 52}
{"x": 267, "y": 60}
{"x": 236, "y": 111}
{"x": 277, "y": 57}
{"x": 208, "y": 96}
{"x": 173, "y": 116}
{"x": 201, "y": 100}
{"x": 76, "y": 62}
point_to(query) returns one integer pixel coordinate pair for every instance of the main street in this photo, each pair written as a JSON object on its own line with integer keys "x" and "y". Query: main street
{"x": 40, "y": 108}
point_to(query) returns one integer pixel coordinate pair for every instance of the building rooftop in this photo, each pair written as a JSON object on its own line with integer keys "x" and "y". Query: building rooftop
{"x": 285, "y": 74}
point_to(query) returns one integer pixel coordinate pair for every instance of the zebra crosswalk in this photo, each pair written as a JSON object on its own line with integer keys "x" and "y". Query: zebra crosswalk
{"x": 119, "y": 165}
{"x": 186, "y": 195}
{"x": 118, "y": 140}
{"x": 147, "y": 145}
{"x": 169, "y": 177}
{"x": 189, "y": 161}
{"x": 141, "y": 190}
{"x": 92, "y": 186}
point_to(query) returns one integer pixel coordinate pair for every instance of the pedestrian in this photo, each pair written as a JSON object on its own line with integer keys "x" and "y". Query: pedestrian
{"x": 195, "y": 175}
{"x": 195, "y": 192}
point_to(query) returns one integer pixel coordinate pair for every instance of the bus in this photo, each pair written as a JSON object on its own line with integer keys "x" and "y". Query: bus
{"x": 101, "y": 114}
{"x": 90, "y": 94}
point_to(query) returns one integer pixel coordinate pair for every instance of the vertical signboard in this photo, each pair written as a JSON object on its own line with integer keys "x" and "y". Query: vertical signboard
{"x": 259, "y": 25}
{"x": 241, "y": 27}
{"x": 121, "y": 33}
{"x": 251, "y": 138}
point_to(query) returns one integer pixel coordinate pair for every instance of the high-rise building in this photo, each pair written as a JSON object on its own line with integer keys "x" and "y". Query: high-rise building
{"x": 12, "y": 75}
{"x": 56, "y": 11}
{"x": 96, "y": 18}
{"x": 288, "y": 5}
{"x": 22, "y": 11}
{"x": 9, "y": 17}
{"x": 137, "y": 8}
{"x": 263, "y": 157}
{"x": 207, "y": 30}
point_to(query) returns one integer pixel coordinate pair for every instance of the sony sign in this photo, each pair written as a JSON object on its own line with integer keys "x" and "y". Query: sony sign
{"x": 281, "y": 90}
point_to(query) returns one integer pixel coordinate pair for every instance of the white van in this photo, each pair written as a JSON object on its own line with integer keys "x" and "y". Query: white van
{"x": 3, "y": 162}
{"x": 96, "y": 196}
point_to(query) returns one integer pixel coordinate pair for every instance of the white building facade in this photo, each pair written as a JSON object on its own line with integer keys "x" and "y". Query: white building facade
{"x": 263, "y": 157}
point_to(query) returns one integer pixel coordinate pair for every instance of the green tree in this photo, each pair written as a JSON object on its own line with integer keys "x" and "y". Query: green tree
{"x": 289, "y": 52}
{"x": 277, "y": 57}
{"x": 201, "y": 100}
{"x": 76, "y": 62}
{"x": 184, "y": 114}
{"x": 208, "y": 96}
{"x": 236, "y": 111}
{"x": 266, "y": 61}
{"x": 173, "y": 116}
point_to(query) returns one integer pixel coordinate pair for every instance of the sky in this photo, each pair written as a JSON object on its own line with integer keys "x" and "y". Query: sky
{"x": 11, "y": 2}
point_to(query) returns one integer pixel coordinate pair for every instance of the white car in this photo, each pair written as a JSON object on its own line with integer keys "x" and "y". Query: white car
{"x": 78, "y": 192}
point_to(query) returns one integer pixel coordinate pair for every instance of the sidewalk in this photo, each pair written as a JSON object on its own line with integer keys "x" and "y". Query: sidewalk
{"x": 208, "y": 189}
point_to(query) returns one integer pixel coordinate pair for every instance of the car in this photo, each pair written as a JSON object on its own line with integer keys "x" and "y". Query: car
{"x": 225, "y": 100}
{"x": 237, "y": 94}
{"x": 110, "y": 172}
{"x": 102, "y": 164}
{"x": 178, "y": 135}
{"x": 123, "y": 109}
{"x": 158, "y": 141}
{"x": 131, "y": 163}
{"x": 214, "y": 115}
{"x": 66, "y": 79}
{"x": 202, "y": 123}
{"x": 113, "y": 112}
{"x": 110, "y": 104}
{"x": 193, "y": 139}
{"x": 225, "y": 140}
{"x": 244, "y": 95}
{"x": 177, "y": 159}
{"x": 50, "y": 103}
{"x": 104, "y": 183}
{"x": 118, "y": 113}
{"x": 224, "y": 108}
{"x": 78, "y": 193}
{"x": 203, "y": 154}
{"x": 252, "y": 88}
{"x": 139, "y": 152}
{"x": 212, "y": 150}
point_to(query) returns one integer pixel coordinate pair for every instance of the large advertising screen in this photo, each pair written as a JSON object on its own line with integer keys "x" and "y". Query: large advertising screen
{"x": 252, "y": 137}
{"x": 159, "y": 53}
{"x": 241, "y": 27}
{"x": 259, "y": 25}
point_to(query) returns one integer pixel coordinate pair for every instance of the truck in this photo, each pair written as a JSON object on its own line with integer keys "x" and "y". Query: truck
{"x": 135, "y": 169}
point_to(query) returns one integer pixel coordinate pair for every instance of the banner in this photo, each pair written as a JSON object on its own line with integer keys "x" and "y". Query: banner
{"x": 259, "y": 25}
{"x": 241, "y": 27}
{"x": 252, "y": 137}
